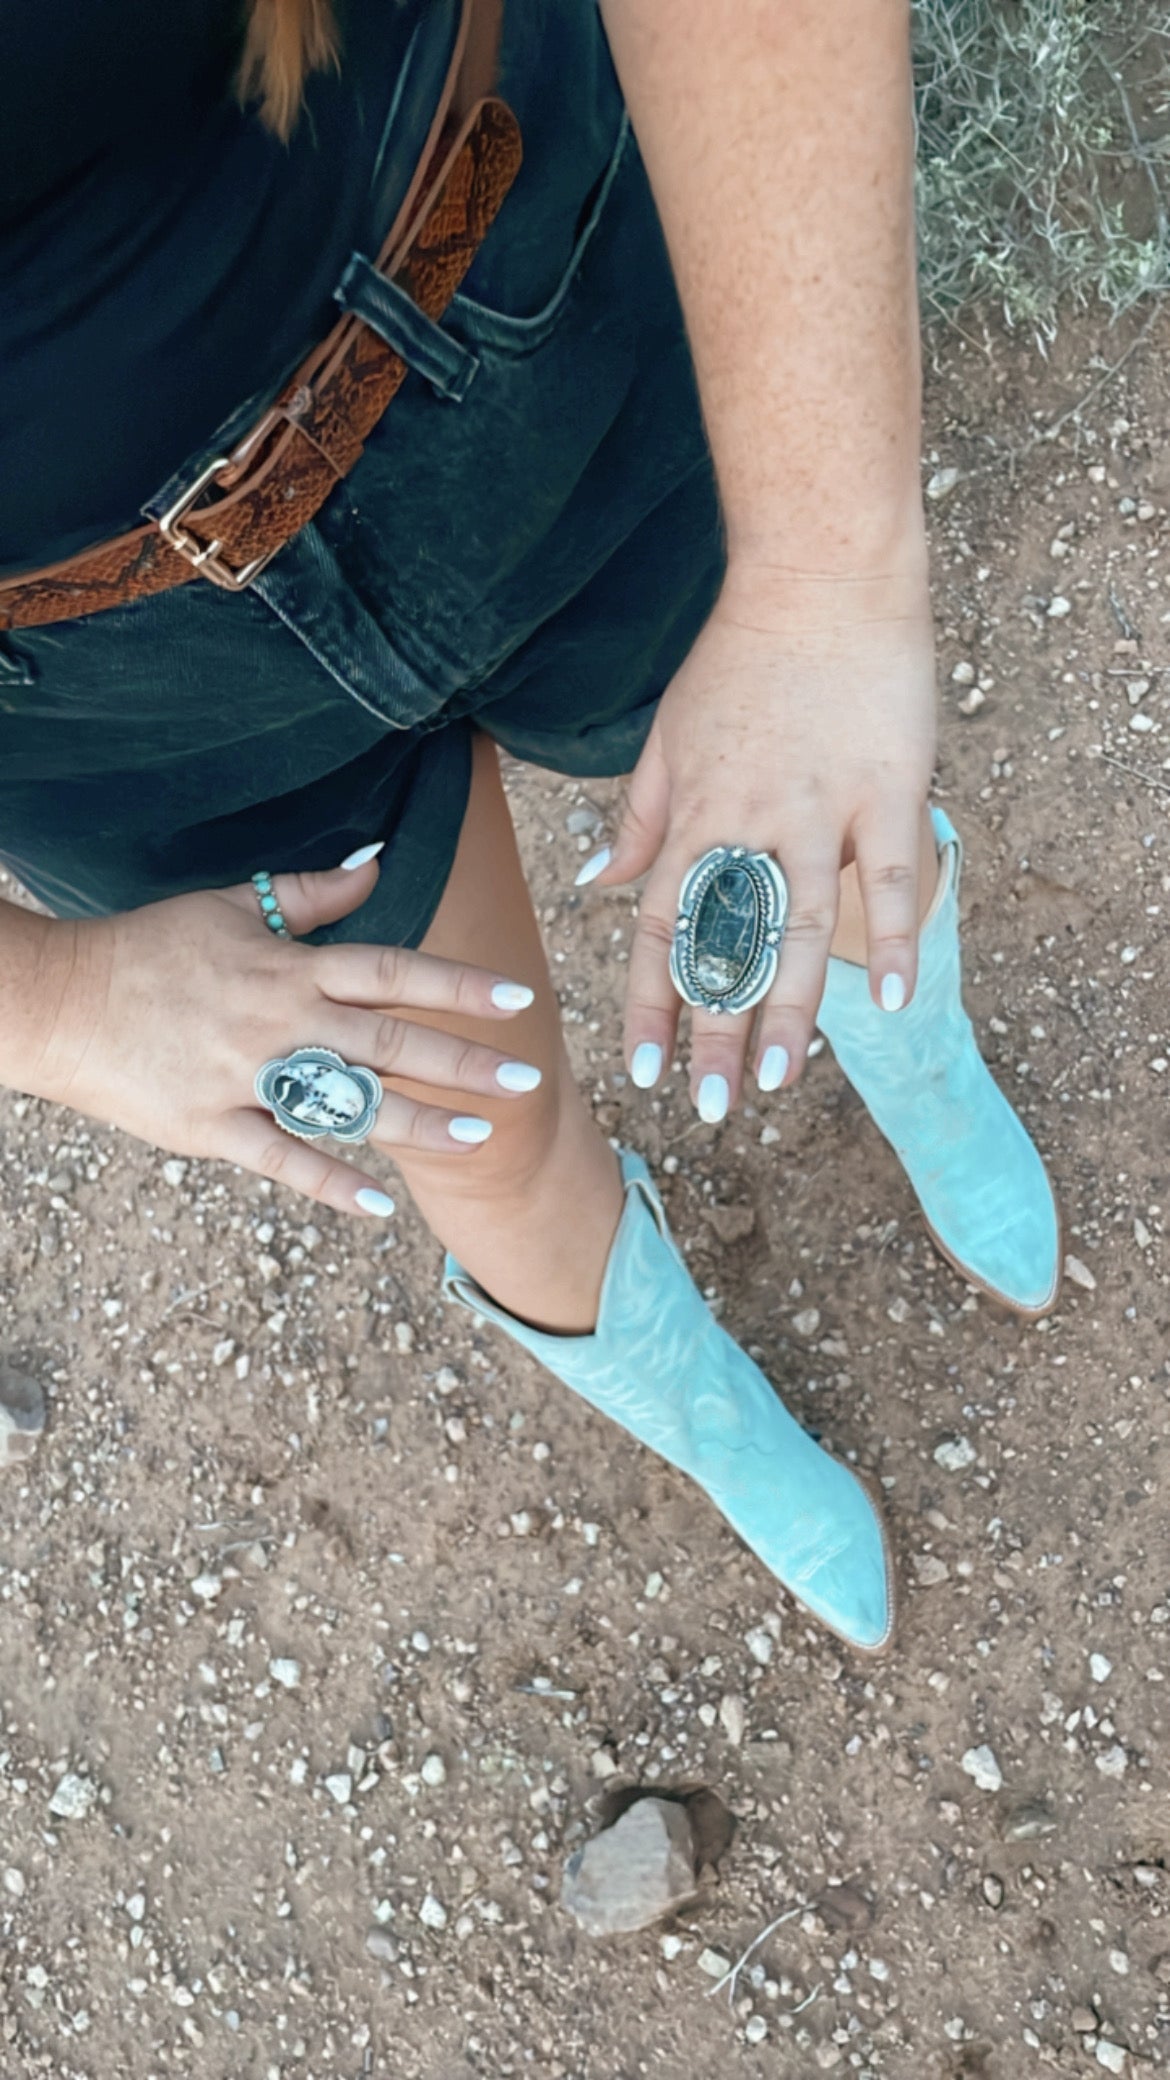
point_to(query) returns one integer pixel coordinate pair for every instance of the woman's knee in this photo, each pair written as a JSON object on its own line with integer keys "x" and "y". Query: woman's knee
{"x": 505, "y": 1167}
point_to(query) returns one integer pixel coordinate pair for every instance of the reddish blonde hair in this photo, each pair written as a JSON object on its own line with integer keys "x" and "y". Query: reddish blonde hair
{"x": 285, "y": 41}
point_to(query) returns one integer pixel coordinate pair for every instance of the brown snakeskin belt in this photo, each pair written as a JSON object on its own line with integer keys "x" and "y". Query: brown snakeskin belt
{"x": 244, "y": 506}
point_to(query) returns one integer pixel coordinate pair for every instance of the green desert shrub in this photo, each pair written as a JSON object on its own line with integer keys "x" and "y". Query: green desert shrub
{"x": 1044, "y": 151}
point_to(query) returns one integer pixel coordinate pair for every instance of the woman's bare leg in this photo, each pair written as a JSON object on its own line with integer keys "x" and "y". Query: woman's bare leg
{"x": 531, "y": 1213}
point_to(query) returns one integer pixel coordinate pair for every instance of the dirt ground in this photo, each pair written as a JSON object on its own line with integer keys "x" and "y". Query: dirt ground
{"x": 295, "y": 1531}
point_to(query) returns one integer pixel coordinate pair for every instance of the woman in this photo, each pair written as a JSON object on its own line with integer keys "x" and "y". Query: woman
{"x": 526, "y": 549}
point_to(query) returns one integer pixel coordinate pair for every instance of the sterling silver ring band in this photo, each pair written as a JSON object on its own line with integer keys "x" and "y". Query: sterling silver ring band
{"x": 732, "y": 909}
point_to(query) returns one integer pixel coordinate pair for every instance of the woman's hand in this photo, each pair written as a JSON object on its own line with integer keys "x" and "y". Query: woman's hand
{"x": 801, "y": 725}
{"x": 165, "y": 1014}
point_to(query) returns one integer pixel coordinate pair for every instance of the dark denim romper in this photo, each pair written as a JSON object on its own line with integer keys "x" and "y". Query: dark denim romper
{"x": 530, "y": 544}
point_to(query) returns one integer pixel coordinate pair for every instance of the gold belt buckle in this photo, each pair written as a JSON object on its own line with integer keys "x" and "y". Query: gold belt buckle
{"x": 205, "y": 556}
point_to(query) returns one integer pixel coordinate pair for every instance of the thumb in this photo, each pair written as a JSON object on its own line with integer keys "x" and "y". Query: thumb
{"x": 309, "y": 900}
{"x": 643, "y": 824}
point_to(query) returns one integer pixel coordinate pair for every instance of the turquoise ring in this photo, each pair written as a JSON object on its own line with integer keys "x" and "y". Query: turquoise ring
{"x": 269, "y": 907}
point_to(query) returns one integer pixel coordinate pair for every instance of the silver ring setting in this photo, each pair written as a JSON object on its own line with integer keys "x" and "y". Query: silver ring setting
{"x": 314, "y": 1092}
{"x": 732, "y": 909}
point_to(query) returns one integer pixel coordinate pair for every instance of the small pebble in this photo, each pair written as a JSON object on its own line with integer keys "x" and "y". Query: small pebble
{"x": 73, "y": 1797}
{"x": 981, "y": 1765}
{"x": 714, "y": 1963}
{"x": 1080, "y": 1274}
{"x": 732, "y": 1719}
{"x": 1083, "y": 2021}
{"x": 760, "y": 1645}
{"x": 1111, "y": 2056}
{"x": 286, "y": 1673}
{"x": 433, "y": 1771}
{"x": 432, "y": 1913}
{"x": 340, "y": 1786}
{"x": 955, "y": 1454}
{"x": 1100, "y": 1668}
{"x": 14, "y": 1882}
{"x": 1114, "y": 1762}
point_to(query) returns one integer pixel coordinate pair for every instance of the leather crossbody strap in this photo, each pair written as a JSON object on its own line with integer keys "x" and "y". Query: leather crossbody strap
{"x": 244, "y": 506}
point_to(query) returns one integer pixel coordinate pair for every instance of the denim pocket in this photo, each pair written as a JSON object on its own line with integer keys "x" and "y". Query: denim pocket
{"x": 521, "y": 332}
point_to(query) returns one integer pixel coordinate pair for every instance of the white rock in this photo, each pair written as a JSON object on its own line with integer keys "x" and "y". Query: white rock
{"x": 930, "y": 1570}
{"x": 1111, "y": 2056}
{"x": 731, "y": 1718}
{"x": 136, "y": 1906}
{"x": 1080, "y": 1274}
{"x": 403, "y": 1337}
{"x": 1059, "y": 607}
{"x": 14, "y": 1882}
{"x": 972, "y": 702}
{"x": 433, "y": 1771}
{"x": 206, "y": 1587}
{"x": 954, "y": 1454}
{"x": 602, "y": 1763}
{"x": 174, "y": 1171}
{"x": 755, "y": 2029}
{"x": 432, "y": 1913}
{"x": 1114, "y": 1762}
{"x": 1141, "y": 724}
{"x": 714, "y": 1963}
{"x": 807, "y": 1322}
{"x": 1100, "y": 1668}
{"x": 760, "y": 1645}
{"x": 981, "y": 1765}
{"x": 73, "y": 1797}
{"x": 340, "y": 1786}
{"x": 285, "y": 1672}
{"x": 942, "y": 483}
{"x": 964, "y": 673}
{"x": 670, "y": 1947}
{"x": 634, "y": 1872}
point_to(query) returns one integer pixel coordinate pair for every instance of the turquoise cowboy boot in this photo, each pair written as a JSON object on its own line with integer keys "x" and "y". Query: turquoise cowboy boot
{"x": 659, "y": 1364}
{"x": 981, "y": 1184}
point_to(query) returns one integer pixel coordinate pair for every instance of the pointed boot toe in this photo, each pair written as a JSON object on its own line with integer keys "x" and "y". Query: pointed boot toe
{"x": 978, "y": 1177}
{"x": 659, "y": 1364}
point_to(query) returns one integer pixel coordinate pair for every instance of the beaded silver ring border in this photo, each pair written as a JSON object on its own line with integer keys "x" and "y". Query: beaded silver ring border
{"x": 286, "y": 1074}
{"x": 770, "y": 889}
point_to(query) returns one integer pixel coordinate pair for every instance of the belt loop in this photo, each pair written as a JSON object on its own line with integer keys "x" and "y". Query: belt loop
{"x": 448, "y": 367}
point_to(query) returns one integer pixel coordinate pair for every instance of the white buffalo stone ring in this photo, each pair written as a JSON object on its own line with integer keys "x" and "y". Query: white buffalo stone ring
{"x": 732, "y": 910}
{"x": 314, "y": 1092}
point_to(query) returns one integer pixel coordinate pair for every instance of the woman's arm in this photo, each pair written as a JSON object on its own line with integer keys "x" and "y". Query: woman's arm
{"x": 778, "y": 138}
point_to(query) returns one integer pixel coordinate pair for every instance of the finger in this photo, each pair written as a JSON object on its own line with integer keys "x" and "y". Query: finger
{"x": 256, "y": 1143}
{"x": 790, "y": 1008}
{"x": 642, "y": 827}
{"x": 888, "y": 855}
{"x": 652, "y": 1002}
{"x": 311, "y": 899}
{"x": 426, "y": 1054}
{"x": 383, "y": 977}
{"x": 719, "y": 1042}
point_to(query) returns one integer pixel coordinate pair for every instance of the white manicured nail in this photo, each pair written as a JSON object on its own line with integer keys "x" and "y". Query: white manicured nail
{"x": 518, "y": 1076}
{"x": 773, "y": 1068}
{"x": 595, "y": 866}
{"x": 646, "y": 1064}
{"x": 714, "y": 1098}
{"x": 374, "y": 1202}
{"x": 512, "y": 996}
{"x": 363, "y": 853}
{"x": 468, "y": 1128}
{"x": 893, "y": 993}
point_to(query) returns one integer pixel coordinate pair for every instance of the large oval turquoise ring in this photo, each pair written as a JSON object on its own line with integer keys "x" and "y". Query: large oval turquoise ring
{"x": 270, "y": 909}
{"x": 314, "y": 1091}
{"x": 732, "y": 909}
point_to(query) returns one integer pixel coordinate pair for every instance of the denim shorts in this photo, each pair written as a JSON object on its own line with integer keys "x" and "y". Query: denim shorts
{"x": 529, "y": 545}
